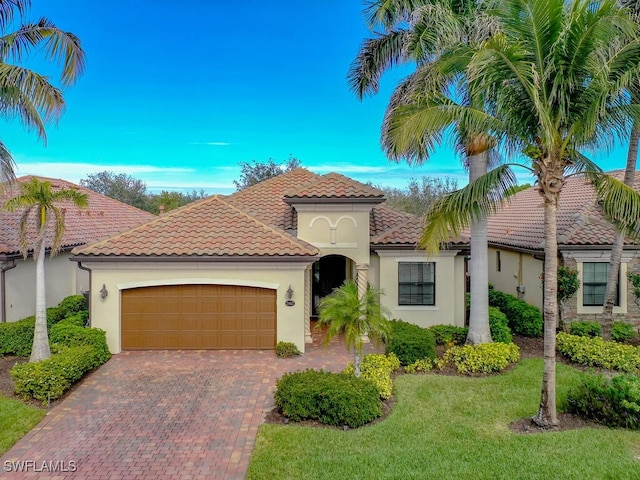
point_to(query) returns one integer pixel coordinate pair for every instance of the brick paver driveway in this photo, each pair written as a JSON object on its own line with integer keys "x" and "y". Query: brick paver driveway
{"x": 155, "y": 415}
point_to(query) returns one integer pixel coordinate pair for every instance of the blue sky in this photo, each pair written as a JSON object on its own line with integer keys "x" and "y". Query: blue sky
{"x": 177, "y": 95}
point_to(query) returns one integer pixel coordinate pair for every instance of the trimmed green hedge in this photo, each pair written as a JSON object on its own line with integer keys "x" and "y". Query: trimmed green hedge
{"x": 524, "y": 319}
{"x": 595, "y": 352}
{"x": 16, "y": 338}
{"x": 73, "y": 304}
{"x": 410, "y": 342}
{"x": 499, "y": 326}
{"x": 331, "y": 398}
{"x": 613, "y": 402}
{"x": 77, "y": 351}
{"x": 585, "y": 329}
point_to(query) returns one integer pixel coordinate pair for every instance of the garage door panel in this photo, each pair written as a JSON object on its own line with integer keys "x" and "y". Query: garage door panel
{"x": 198, "y": 317}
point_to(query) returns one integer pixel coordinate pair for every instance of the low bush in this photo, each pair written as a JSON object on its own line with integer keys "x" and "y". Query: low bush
{"x": 423, "y": 366}
{"x": 16, "y": 338}
{"x": 622, "y": 332}
{"x": 483, "y": 358}
{"x": 595, "y": 352}
{"x": 613, "y": 402}
{"x": 499, "y": 326}
{"x": 330, "y": 398}
{"x": 79, "y": 319}
{"x": 287, "y": 349}
{"x": 524, "y": 319}
{"x": 449, "y": 334}
{"x": 73, "y": 304}
{"x": 410, "y": 342}
{"x": 585, "y": 329}
{"x": 377, "y": 369}
{"x": 49, "y": 379}
{"x": 65, "y": 335}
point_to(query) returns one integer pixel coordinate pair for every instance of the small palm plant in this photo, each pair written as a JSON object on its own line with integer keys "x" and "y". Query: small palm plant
{"x": 346, "y": 312}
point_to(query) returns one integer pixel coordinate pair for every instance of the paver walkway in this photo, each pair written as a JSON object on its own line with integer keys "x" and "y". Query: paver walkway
{"x": 157, "y": 415}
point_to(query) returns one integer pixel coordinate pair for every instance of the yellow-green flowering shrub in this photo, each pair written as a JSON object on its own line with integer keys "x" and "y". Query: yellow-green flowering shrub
{"x": 377, "y": 369}
{"x": 595, "y": 352}
{"x": 483, "y": 358}
{"x": 424, "y": 365}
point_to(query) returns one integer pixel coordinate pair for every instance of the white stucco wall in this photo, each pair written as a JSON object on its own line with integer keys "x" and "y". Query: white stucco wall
{"x": 63, "y": 278}
{"x": 105, "y": 313}
{"x": 450, "y": 299}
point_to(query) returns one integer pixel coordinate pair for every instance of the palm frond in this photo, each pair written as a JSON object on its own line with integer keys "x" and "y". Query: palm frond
{"x": 376, "y": 55}
{"x": 63, "y": 48}
{"x": 7, "y": 164}
{"x": 448, "y": 217}
{"x": 620, "y": 203}
{"x": 29, "y": 96}
{"x": 8, "y": 9}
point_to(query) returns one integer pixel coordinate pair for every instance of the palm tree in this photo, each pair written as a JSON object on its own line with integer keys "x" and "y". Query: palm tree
{"x": 38, "y": 199}
{"x": 347, "y": 312}
{"x": 423, "y": 31}
{"x": 629, "y": 179}
{"x": 25, "y": 94}
{"x": 554, "y": 78}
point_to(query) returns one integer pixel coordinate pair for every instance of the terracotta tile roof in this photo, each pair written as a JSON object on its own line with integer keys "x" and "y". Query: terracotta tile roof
{"x": 265, "y": 199}
{"x": 211, "y": 227}
{"x": 103, "y": 218}
{"x": 406, "y": 233}
{"x": 336, "y": 187}
{"x": 580, "y": 221}
{"x": 384, "y": 217}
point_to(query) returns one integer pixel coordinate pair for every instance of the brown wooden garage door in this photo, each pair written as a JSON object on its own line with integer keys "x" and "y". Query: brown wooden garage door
{"x": 176, "y": 317}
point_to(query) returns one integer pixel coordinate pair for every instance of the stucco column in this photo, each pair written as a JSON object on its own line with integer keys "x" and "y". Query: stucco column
{"x": 363, "y": 271}
{"x": 307, "y": 305}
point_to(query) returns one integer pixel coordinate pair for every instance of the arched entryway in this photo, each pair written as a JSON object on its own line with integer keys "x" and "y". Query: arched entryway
{"x": 327, "y": 274}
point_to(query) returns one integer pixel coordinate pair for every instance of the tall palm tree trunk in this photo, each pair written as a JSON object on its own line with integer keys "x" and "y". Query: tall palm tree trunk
{"x": 479, "y": 331}
{"x": 40, "y": 349}
{"x": 547, "y": 415}
{"x": 618, "y": 244}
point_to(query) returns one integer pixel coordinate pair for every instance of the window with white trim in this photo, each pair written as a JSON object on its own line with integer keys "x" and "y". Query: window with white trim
{"x": 416, "y": 283}
{"x": 594, "y": 284}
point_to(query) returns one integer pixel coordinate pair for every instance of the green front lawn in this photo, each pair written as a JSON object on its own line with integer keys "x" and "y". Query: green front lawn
{"x": 444, "y": 427}
{"x": 16, "y": 419}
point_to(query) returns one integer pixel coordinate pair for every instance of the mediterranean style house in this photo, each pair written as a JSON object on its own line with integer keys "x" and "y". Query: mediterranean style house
{"x": 247, "y": 270}
{"x": 103, "y": 218}
{"x": 516, "y": 256}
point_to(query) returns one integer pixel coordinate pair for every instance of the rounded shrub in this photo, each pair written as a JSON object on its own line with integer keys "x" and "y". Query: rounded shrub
{"x": 287, "y": 349}
{"x": 73, "y": 304}
{"x": 524, "y": 319}
{"x": 377, "y": 369}
{"x": 613, "y": 402}
{"x": 449, "y": 334}
{"x": 331, "y": 398}
{"x": 622, "y": 332}
{"x": 585, "y": 329}
{"x": 410, "y": 342}
{"x": 483, "y": 358}
{"x": 500, "y": 331}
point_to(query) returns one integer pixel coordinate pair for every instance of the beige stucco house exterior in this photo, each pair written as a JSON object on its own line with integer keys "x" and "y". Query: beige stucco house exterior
{"x": 516, "y": 253}
{"x": 103, "y": 218}
{"x": 247, "y": 270}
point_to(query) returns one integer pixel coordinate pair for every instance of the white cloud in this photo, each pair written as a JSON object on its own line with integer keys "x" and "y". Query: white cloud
{"x": 213, "y": 144}
{"x": 346, "y": 168}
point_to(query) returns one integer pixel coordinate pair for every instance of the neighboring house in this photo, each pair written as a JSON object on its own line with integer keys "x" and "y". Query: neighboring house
{"x": 248, "y": 270}
{"x": 516, "y": 256}
{"x": 103, "y": 218}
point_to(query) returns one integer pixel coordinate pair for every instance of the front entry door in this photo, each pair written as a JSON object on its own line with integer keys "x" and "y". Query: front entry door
{"x": 329, "y": 273}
